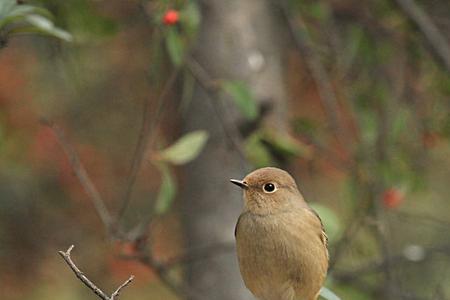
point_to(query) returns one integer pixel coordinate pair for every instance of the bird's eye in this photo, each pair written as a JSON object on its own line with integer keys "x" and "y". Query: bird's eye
{"x": 269, "y": 187}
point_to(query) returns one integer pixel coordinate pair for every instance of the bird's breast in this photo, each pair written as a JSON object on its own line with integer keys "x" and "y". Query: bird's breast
{"x": 277, "y": 252}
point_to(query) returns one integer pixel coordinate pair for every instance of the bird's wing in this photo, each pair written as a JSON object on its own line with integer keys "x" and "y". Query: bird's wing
{"x": 323, "y": 236}
{"x": 237, "y": 223}
{"x": 236, "y": 227}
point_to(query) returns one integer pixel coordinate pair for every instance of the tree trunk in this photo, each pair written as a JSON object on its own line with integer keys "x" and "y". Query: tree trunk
{"x": 238, "y": 40}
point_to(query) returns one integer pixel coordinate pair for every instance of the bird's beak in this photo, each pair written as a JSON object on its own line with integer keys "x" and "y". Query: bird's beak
{"x": 240, "y": 183}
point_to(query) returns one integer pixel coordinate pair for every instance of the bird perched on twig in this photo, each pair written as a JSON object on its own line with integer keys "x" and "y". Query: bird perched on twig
{"x": 281, "y": 243}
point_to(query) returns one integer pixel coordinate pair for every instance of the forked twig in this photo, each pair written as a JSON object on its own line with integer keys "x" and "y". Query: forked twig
{"x": 83, "y": 278}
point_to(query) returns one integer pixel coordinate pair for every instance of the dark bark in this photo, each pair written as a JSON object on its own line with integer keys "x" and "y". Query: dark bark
{"x": 238, "y": 40}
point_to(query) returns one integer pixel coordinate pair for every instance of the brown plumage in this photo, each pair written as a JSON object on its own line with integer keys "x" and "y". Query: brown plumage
{"x": 281, "y": 244}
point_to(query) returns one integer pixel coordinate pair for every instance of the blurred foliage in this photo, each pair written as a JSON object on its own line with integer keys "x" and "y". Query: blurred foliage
{"x": 83, "y": 19}
{"x": 383, "y": 71}
{"x": 18, "y": 19}
{"x": 330, "y": 220}
{"x": 167, "y": 190}
{"x": 242, "y": 97}
{"x": 185, "y": 149}
{"x": 267, "y": 147}
{"x": 175, "y": 46}
{"x": 386, "y": 180}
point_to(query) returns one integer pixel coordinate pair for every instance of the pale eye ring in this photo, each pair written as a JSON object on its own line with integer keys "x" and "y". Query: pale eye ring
{"x": 269, "y": 187}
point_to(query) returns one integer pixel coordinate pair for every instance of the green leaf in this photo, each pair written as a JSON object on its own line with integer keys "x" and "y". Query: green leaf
{"x": 175, "y": 46}
{"x": 328, "y": 294}
{"x": 167, "y": 190}
{"x": 256, "y": 152}
{"x": 187, "y": 91}
{"x": 25, "y": 19}
{"x": 285, "y": 145}
{"x": 242, "y": 98}
{"x": 40, "y": 25}
{"x": 47, "y": 27}
{"x": 85, "y": 20}
{"x": 185, "y": 149}
{"x": 329, "y": 219}
{"x": 17, "y": 13}
{"x": 190, "y": 16}
{"x": 6, "y": 6}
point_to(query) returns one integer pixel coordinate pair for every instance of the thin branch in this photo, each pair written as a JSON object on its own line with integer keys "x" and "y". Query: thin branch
{"x": 190, "y": 256}
{"x": 390, "y": 281}
{"x": 381, "y": 232}
{"x": 439, "y": 291}
{"x": 424, "y": 218}
{"x": 162, "y": 271}
{"x": 349, "y": 234}
{"x": 394, "y": 260}
{"x": 145, "y": 257}
{"x": 345, "y": 241}
{"x": 325, "y": 89}
{"x": 211, "y": 89}
{"x": 116, "y": 293}
{"x": 201, "y": 76}
{"x": 193, "y": 255}
{"x": 82, "y": 175}
{"x": 146, "y": 136}
{"x": 328, "y": 154}
{"x": 438, "y": 43}
{"x": 79, "y": 274}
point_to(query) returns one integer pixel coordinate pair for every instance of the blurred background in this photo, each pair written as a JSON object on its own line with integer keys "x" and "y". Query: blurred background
{"x": 121, "y": 123}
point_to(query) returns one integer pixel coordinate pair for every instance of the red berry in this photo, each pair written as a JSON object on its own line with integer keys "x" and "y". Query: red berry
{"x": 171, "y": 17}
{"x": 392, "y": 198}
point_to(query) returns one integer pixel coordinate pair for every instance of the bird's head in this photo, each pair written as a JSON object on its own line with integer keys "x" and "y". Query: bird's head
{"x": 268, "y": 190}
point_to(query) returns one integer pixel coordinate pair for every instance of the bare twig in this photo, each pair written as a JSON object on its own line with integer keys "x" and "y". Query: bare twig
{"x": 424, "y": 218}
{"x": 347, "y": 237}
{"x": 82, "y": 175}
{"x": 145, "y": 256}
{"x": 116, "y": 293}
{"x": 438, "y": 43}
{"x": 192, "y": 255}
{"x": 211, "y": 88}
{"x": 325, "y": 89}
{"x": 146, "y": 137}
{"x": 162, "y": 271}
{"x": 328, "y": 154}
{"x": 376, "y": 189}
{"x": 394, "y": 260}
{"x": 359, "y": 219}
{"x": 79, "y": 274}
{"x": 201, "y": 76}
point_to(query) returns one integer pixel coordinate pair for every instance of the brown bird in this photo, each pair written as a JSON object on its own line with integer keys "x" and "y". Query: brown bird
{"x": 281, "y": 243}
